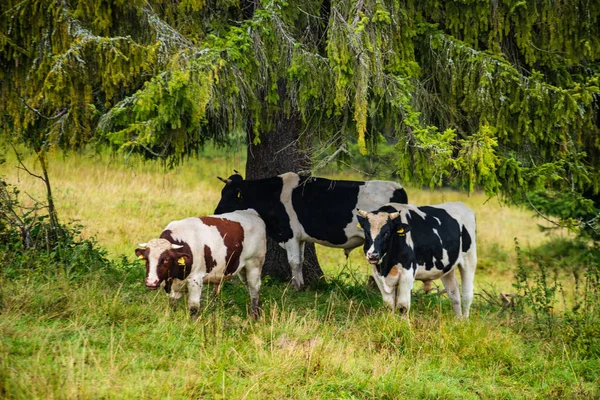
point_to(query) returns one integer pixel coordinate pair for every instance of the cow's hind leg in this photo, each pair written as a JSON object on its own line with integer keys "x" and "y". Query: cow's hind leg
{"x": 295, "y": 255}
{"x": 451, "y": 284}
{"x": 467, "y": 276}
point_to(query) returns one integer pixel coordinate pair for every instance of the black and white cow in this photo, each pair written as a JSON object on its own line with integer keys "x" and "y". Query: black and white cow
{"x": 405, "y": 242}
{"x": 299, "y": 209}
{"x": 207, "y": 249}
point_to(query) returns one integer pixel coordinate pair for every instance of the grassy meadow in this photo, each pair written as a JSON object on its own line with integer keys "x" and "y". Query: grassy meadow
{"x": 101, "y": 334}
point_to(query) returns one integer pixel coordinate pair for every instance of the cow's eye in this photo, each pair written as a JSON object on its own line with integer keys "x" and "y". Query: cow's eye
{"x": 166, "y": 261}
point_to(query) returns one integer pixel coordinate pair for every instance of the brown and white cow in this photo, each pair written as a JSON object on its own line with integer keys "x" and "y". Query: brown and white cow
{"x": 209, "y": 249}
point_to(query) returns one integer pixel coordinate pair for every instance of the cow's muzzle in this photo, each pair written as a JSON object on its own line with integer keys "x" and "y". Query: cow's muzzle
{"x": 152, "y": 286}
{"x": 373, "y": 260}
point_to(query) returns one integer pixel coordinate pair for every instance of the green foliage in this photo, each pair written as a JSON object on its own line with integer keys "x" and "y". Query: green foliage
{"x": 573, "y": 210}
{"x": 540, "y": 292}
{"x": 29, "y": 244}
{"x": 496, "y": 95}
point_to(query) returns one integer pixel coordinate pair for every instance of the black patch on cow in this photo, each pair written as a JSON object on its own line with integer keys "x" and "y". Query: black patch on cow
{"x": 427, "y": 243}
{"x": 466, "y": 239}
{"x": 176, "y": 271}
{"x": 389, "y": 246}
{"x": 262, "y": 195}
{"x": 386, "y": 209}
{"x": 325, "y": 207}
{"x": 399, "y": 196}
{"x": 396, "y": 250}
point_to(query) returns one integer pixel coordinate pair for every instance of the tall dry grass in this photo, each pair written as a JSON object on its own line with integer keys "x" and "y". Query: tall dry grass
{"x": 122, "y": 202}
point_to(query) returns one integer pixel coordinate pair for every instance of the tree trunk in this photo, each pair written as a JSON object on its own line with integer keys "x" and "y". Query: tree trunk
{"x": 281, "y": 151}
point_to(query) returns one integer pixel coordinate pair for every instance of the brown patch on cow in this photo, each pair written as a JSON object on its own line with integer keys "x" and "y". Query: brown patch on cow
{"x": 233, "y": 237}
{"x": 393, "y": 271}
{"x": 208, "y": 259}
{"x": 174, "y": 270}
{"x": 144, "y": 253}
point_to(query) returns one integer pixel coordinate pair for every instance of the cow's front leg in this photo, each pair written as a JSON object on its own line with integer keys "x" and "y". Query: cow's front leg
{"x": 406, "y": 281}
{"x": 295, "y": 256}
{"x": 194, "y": 293}
{"x": 386, "y": 294}
{"x": 176, "y": 291}
{"x": 174, "y": 296}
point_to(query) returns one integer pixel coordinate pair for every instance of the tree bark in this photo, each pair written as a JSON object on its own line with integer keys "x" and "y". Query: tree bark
{"x": 281, "y": 151}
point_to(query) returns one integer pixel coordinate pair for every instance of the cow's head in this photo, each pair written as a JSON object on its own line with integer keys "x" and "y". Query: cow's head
{"x": 232, "y": 197}
{"x": 164, "y": 260}
{"x": 382, "y": 230}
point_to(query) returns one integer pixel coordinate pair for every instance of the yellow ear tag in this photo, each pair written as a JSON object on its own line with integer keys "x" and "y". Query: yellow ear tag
{"x": 181, "y": 261}
{"x": 140, "y": 257}
{"x": 239, "y": 196}
{"x": 401, "y": 232}
{"x": 359, "y": 227}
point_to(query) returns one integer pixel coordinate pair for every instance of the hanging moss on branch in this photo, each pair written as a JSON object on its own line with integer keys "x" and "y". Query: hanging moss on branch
{"x": 501, "y": 95}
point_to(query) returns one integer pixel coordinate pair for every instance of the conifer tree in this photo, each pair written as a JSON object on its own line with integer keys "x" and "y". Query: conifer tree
{"x": 498, "y": 95}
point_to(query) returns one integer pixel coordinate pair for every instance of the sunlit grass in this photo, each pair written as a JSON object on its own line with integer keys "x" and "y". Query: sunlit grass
{"x": 99, "y": 338}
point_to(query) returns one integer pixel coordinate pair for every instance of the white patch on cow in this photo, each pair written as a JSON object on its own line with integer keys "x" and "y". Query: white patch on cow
{"x": 438, "y": 221}
{"x": 445, "y": 257}
{"x": 290, "y": 182}
{"x": 388, "y": 296}
{"x": 425, "y": 275}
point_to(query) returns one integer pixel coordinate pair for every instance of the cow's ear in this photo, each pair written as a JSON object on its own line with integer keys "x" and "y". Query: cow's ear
{"x": 183, "y": 260}
{"x": 402, "y": 229}
{"x": 139, "y": 252}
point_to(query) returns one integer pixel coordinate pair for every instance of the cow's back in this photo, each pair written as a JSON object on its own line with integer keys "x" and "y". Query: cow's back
{"x": 441, "y": 235}
{"x": 219, "y": 243}
{"x": 326, "y": 209}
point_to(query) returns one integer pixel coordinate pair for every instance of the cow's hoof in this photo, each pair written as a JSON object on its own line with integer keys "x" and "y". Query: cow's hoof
{"x": 194, "y": 314}
{"x": 256, "y": 313}
{"x": 297, "y": 285}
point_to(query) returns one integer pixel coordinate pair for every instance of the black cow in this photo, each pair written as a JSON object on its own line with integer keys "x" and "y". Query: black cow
{"x": 300, "y": 209}
{"x": 404, "y": 242}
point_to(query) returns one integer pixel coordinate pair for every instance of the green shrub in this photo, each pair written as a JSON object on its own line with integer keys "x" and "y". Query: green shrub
{"x": 29, "y": 244}
{"x": 539, "y": 291}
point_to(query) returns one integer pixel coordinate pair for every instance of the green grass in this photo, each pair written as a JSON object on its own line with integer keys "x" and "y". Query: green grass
{"x": 103, "y": 335}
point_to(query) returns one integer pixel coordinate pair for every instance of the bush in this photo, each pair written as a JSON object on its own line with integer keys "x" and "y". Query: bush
{"x": 30, "y": 244}
{"x": 539, "y": 290}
